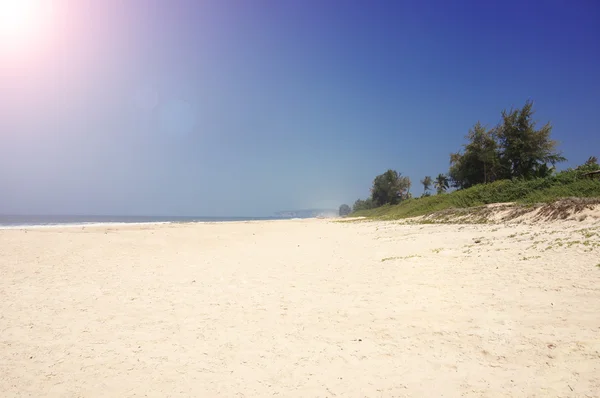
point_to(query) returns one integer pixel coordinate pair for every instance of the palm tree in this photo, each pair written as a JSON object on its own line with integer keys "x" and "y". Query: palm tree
{"x": 441, "y": 183}
{"x": 427, "y": 181}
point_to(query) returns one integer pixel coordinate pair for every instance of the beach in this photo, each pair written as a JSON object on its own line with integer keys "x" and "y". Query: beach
{"x": 301, "y": 308}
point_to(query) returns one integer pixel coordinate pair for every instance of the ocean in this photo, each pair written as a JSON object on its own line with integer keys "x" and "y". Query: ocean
{"x": 11, "y": 221}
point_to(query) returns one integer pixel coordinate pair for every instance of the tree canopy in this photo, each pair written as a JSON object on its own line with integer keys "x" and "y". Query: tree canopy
{"x": 479, "y": 161}
{"x": 363, "y": 204}
{"x": 427, "y": 181}
{"x": 390, "y": 188}
{"x": 513, "y": 149}
{"x": 344, "y": 210}
{"x": 525, "y": 152}
{"x": 441, "y": 183}
{"x": 590, "y": 165}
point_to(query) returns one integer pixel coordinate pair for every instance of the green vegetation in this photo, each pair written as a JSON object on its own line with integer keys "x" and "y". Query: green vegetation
{"x": 513, "y": 162}
{"x": 399, "y": 258}
{"x": 360, "y": 205}
{"x": 480, "y": 160}
{"x": 344, "y": 210}
{"x": 513, "y": 149}
{"x": 441, "y": 183}
{"x": 390, "y": 188}
{"x": 565, "y": 184}
{"x": 530, "y": 258}
{"x": 427, "y": 181}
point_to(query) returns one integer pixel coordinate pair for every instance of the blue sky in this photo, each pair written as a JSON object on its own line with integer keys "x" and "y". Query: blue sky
{"x": 232, "y": 108}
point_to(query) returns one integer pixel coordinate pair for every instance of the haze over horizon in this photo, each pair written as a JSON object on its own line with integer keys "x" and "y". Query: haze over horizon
{"x": 223, "y": 108}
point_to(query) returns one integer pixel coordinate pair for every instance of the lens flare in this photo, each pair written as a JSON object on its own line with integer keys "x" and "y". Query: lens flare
{"x": 20, "y": 21}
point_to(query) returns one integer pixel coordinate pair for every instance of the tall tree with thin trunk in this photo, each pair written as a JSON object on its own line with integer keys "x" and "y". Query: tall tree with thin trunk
{"x": 441, "y": 183}
{"x": 427, "y": 181}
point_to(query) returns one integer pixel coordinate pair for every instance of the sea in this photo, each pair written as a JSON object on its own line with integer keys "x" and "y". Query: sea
{"x": 15, "y": 221}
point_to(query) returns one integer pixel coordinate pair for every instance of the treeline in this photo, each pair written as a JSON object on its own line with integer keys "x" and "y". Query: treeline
{"x": 515, "y": 149}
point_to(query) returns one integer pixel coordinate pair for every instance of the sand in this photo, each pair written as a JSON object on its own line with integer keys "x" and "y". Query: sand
{"x": 301, "y": 308}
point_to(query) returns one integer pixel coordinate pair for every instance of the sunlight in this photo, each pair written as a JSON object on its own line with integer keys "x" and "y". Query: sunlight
{"x": 19, "y": 21}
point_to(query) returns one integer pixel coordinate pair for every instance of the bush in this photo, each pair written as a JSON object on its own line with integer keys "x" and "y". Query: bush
{"x": 344, "y": 210}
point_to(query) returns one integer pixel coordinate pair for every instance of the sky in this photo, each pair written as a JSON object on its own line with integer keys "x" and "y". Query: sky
{"x": 246, "y": 108}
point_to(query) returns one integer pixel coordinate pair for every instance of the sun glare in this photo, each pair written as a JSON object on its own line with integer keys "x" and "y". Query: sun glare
{"x": 19, "y": 21}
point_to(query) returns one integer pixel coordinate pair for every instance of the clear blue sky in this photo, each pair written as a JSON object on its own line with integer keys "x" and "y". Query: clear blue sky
{"x": 244, "y": 108}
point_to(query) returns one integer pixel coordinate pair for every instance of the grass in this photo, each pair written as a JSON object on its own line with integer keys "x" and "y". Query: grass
{"x": 589, "y": 244}
{"x": 352, "y": 220}
{"x": 566, "y": 184}
{"x": 530, "y": 258}
{"x": 400, "y": 258}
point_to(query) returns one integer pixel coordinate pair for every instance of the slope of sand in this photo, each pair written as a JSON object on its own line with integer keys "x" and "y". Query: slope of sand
{"x": 309, "y": 308}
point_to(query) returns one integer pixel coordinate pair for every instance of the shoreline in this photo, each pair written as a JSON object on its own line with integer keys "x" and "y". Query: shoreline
{"x": 138, "y": 223}
{"x": 80, "y": 225}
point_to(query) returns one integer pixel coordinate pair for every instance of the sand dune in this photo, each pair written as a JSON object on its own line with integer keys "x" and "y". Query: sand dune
{"x": 309, "y": 308}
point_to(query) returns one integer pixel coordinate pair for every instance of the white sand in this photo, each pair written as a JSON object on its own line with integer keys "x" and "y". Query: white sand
{"x": 307, "y": 308}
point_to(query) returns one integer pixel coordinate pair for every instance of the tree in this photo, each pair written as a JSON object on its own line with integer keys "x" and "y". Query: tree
{"x": 590, "y": 165}
{"x": 592, "y": 161}
{"x": 427, "y": 181}
{"x": 405, "y": 185}
{"x": 390, "y": 188}
{"x": 513, "y": 149}
{"x": 441, "y": 183}
{"x": 344, "y": 210}
{"x": 484, "y": 146}
{"x": 479, "y": 161}
{"x": 524, "y": 151}
{"x": 362, "y": 205}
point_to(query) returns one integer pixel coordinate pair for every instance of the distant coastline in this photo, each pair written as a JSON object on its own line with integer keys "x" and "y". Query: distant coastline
{"x": 16, "y": 221}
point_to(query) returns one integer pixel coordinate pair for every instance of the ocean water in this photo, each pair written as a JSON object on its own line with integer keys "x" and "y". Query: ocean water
{"x": 8, "y": 221}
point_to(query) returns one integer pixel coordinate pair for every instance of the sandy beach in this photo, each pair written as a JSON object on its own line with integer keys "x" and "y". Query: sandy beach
{"x": 301, "y": 308}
